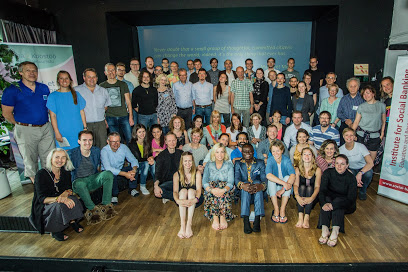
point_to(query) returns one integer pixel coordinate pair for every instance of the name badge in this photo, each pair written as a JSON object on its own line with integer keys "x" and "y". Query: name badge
{"x": 165, "y": 95}
{"x": 355, "y": 108}
{"x": 45, "y": 97}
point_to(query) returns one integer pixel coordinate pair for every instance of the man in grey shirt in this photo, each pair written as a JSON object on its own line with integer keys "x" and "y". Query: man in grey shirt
{"x": 214, "y": 72}
{"x": 97, "y": 101}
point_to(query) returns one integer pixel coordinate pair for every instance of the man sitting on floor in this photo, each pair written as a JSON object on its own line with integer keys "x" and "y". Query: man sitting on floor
{"x": 113, "y": 157}
{"x": 86, "y": 178}
{"x": 167, "y": 163}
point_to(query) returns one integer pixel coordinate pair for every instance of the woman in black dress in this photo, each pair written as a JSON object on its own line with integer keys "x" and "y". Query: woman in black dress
{"x": 338, "y": 192}
{"x": 54, "y": 208}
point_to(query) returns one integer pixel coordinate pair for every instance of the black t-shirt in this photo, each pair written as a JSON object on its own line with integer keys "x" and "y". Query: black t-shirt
{"x": 317, "y": 75}
{"x": 146, "y": 99}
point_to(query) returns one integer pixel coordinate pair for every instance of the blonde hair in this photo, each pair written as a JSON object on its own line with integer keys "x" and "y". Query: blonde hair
{"x": 159, "y": 77}
{"x": 214, "y": 113}
{"x": 182, "y": 127}
{"x": 277, "y": 143}
{"x": 302, "y": 169}
{"x": 182, "y": 176}
{"x": 68, "y": 164}
{"x": 256, "y": 115}
{"x": 197, "y": 130}
{"x": 215, "y": 148}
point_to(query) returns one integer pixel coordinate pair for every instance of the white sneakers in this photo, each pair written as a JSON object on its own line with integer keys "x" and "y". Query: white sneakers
{"x": 144, "y": 190}
{"x": 114, "y": 200}
{"x": 165, "y": 200}
{"x": 134, "y": 193}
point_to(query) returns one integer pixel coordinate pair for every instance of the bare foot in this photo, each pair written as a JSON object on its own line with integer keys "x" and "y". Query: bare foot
{"x": 306, "y": 223}
{"x": 182, "y": 233}
{"x": 223, "y": 223}
{"x": 299, "y": 223}
{"x": 189, "y": 232}
{"x": 216, "y": 223}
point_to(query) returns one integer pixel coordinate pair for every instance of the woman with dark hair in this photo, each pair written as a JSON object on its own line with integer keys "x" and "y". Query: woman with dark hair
{"x": 235, "y": 128}
{"x": 198, "y": 123}
{"x": 141, "y": 148}
{"x": 221, "y": 98}
{"x": 303, "y": 102}
{"x": 327, "y": 152}
{"x": 54, "y": 208}
{"x": 67, "y": 114}
{"x": 158, "y": 144}
{"x": 276, "y": 117}
{"x": 337, "y": 196}
{"x": 260, "y": 94}
{"x": 306, "y": 186}
{"x": 369, "y": 124}
{"x": 186, "y": 192}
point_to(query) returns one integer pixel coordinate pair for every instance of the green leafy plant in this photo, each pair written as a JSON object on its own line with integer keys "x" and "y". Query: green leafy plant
{"x": 8, "y": 75}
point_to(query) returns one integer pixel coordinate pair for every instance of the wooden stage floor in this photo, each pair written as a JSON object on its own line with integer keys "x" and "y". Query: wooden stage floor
{"x": 146, "y": 230}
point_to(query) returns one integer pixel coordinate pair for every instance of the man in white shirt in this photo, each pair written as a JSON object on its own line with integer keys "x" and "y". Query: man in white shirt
{"x": 290, "y": 134}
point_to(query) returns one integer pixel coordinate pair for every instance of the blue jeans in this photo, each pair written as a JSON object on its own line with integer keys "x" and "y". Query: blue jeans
{"x": 147, "y": 120}
{"x": 132, "y": 184}
{"x": 120, "y": 124}
{"x": 205, "y": 112}
{"x": 135, "y": 120}
{"x": 144, "y": 168}
{"x": 283, "y": 120}
{"x": 366, "y": 179}
{"x": 246, "y": 203}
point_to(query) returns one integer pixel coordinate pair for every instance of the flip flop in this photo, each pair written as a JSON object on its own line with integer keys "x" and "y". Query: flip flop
{"x": 276, "y": 217}
{"x": 332, "y": 240}
{"x": 282, "y": 218}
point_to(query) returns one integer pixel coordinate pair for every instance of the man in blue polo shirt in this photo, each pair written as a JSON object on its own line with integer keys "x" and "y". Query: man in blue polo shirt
{"x": 324, "y": 131}
{"x": 24, "y": 106}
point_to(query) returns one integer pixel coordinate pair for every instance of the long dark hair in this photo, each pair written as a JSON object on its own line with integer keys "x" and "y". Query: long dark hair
{"x": 161, "y": 137}
{"x": 73, "y": 92}
{"x": 147, "y": 145}
{"x": 219, "y": 89}
{"x": 240, "y": 127}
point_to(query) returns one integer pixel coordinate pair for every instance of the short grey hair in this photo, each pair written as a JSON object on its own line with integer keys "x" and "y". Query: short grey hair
{"x": 68, "y": 164}
{"x": 109, "y": 63}
{"x": 353, "y": 79}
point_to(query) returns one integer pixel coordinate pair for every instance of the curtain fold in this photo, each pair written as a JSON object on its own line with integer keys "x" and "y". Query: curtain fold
{"x": 19, "y": 33}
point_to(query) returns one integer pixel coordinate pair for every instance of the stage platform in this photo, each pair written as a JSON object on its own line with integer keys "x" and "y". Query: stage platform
{"x": 145, "y": 233}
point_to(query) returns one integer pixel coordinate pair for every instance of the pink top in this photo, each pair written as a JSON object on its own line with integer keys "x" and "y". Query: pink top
{"x": 323, "y": 164}
{"x": 157, "y": 146}
{"x": 279, "y": 137}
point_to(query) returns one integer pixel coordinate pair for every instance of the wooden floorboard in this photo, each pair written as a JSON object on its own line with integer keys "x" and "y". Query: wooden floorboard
{"x": 146, "y": 230}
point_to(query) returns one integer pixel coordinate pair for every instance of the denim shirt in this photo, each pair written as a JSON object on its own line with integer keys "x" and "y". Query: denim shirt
{"x": 76, "y": 158}
{"x": 225, "y": 173}
{"x": 286, "y": 166}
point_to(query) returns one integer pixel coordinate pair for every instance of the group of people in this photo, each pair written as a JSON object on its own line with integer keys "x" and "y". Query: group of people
{"x": 209, "y": 137}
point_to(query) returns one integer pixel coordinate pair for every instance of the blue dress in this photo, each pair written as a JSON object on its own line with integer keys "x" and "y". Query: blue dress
{"x": 68, "y": 115}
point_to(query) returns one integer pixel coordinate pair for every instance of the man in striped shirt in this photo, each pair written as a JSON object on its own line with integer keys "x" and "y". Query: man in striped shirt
{"x": 242, "y": 100}
{"x": 324, "y": 131}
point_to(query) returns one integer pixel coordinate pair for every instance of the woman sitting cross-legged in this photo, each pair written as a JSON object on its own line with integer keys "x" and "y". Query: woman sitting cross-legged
{"x": 281, "y": 176}
{"x": 337, "y": 197}
{"x": 54, "y": 208}
{"x": 307, "y": 185}
{"x": 187, "y": 192}
{"x": 250, "y": 178}
{"x": 218, "y": 180}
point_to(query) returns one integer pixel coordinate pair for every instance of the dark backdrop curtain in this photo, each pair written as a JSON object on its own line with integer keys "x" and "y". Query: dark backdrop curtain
{"x": 18, "y": 33}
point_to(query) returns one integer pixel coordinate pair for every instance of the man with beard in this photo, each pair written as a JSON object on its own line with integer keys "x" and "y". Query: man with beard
{"x": 324, "y": 131}
{"x": 242, "y": 139}
{"x": 149, "y": 65}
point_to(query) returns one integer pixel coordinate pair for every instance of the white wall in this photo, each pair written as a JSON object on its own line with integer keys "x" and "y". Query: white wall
{"x": 399, "y": 35}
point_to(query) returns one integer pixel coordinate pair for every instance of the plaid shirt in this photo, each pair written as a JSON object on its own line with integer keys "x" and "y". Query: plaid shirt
{"x": 241, "y": 90}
